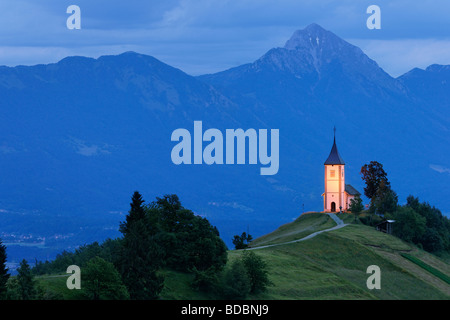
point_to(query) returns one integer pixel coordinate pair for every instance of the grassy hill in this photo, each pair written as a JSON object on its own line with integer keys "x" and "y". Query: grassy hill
{"x": 331, "y": 265}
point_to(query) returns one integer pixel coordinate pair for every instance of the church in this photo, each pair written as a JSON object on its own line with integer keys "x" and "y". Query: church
{"x": 337, "y": 194}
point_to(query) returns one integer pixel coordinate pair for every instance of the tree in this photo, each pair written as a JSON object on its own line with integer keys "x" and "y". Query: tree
{"x": 356, "y": 205}
{"x": 242, "y": 241}
{"x": 409, "y": 225}
{"x": 257, "y": 271}
{"x": 413, "y": 203}
{"x": 373, "y": 174}
{"x": 25, "y": 280}
{"x": 378, "y": 189}
{"x": 136, "y": 212}
{"x": 432, "y": 240}
{"x": 102, "y": 281}
{"x": 190, "y": 241}
{"x": 436, "y": 237}
{"x": 4, "y": 275}
{"x": 141, "y": 256}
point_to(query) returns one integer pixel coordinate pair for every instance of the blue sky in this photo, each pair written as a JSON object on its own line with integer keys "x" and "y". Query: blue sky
{"x": 204, "y": 36}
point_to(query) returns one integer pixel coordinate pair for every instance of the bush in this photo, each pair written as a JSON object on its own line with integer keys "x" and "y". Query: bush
{"x": 356, "y": 205}
{"x": 206, "y": 280}
{"x": 370, "y": 219}
{"x": 237, "y": 282}
{"x": 102, "y": 281}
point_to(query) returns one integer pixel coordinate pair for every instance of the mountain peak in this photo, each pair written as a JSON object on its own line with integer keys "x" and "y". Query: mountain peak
{"x": 314, "y": 27}
{"x": 312, "y": 37}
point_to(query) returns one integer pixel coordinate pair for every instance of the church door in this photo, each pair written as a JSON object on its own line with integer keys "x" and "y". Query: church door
{"x": 333, "y": 207}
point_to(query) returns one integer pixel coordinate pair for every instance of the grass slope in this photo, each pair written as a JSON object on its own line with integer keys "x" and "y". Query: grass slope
{"x": 331, "y": 265}
{"x": 303, "y": 226}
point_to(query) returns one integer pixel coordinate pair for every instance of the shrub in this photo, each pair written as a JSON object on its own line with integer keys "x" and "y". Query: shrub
{"x": 237, "y": 283}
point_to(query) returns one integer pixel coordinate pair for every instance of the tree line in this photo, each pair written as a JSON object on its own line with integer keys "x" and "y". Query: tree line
{"x": 155, "y": 236}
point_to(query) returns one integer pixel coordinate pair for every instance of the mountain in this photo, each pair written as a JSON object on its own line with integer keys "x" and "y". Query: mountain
{"x": 78, "y": 137}
{"x": 430, "y": 88}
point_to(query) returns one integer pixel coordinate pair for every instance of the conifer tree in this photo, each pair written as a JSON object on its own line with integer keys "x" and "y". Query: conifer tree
{"x": 136, "y": 213}
{"x": 142, "y": 256}
{"x": 4, "y": 275}
{"x": 25, "y": 281}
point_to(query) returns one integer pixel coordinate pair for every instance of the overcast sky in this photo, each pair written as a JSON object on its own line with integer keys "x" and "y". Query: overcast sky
{"x": 204, "y": 36}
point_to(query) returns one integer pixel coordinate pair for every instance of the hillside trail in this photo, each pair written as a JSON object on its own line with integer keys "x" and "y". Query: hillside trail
{"x": 339, "y": 224}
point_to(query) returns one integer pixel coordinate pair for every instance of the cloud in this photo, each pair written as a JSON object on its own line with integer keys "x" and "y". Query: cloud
{"x": 440, "y": 169}
{"x": 6, "y": 149}
{"x": 233, "y": 205}
{"x": 89, "y": 150}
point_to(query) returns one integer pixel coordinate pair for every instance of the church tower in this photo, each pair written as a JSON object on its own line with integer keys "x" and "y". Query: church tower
{"x": 334, "y": 198}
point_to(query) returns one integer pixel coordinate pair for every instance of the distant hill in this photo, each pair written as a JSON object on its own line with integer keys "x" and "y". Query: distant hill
{"x": 78, "y": 137}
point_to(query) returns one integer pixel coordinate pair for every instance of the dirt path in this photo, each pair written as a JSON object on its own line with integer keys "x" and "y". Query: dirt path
{"x": 339, "y": 224}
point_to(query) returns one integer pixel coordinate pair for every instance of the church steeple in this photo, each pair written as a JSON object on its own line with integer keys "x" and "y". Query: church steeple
{"x": 337, "y": 194}
{"x": 334, "y": 157}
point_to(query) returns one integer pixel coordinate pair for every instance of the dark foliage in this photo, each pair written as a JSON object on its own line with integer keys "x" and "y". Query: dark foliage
{"x": 242, "y": 241}
{"x": 156, "y": 235}
{"x": 373, "y": 174}
{"x": 4, "y": 275}
{"x": 190, "y": 241}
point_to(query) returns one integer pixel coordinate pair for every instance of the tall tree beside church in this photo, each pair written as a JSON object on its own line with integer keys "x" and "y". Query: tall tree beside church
{"x": 4, "y": 275}
{"x": 378, "y": 189}
{"x": 373, "y": 175}
{"x": 142, "y": 256}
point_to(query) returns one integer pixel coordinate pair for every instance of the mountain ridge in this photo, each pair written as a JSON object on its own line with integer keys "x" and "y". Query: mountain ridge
{"x": 79, "y": 136}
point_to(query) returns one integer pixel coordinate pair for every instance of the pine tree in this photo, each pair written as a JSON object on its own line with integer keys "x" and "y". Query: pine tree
{"x": 4, "y": 275}
{"x": 25, "y": 280}
{"x": 142, "y": 256}
{"x": 136, "y": 212}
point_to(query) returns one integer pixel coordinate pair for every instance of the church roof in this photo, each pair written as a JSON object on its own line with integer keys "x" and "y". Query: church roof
{"x": 351, "y": 191}
{"x": 334, "y": 157}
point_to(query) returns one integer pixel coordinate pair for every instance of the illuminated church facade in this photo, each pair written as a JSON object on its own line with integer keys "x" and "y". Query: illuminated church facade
{"x": 337, "y": 193}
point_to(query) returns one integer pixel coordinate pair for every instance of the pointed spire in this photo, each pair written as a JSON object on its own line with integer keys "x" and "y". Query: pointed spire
{"x": 334, "y": 157}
